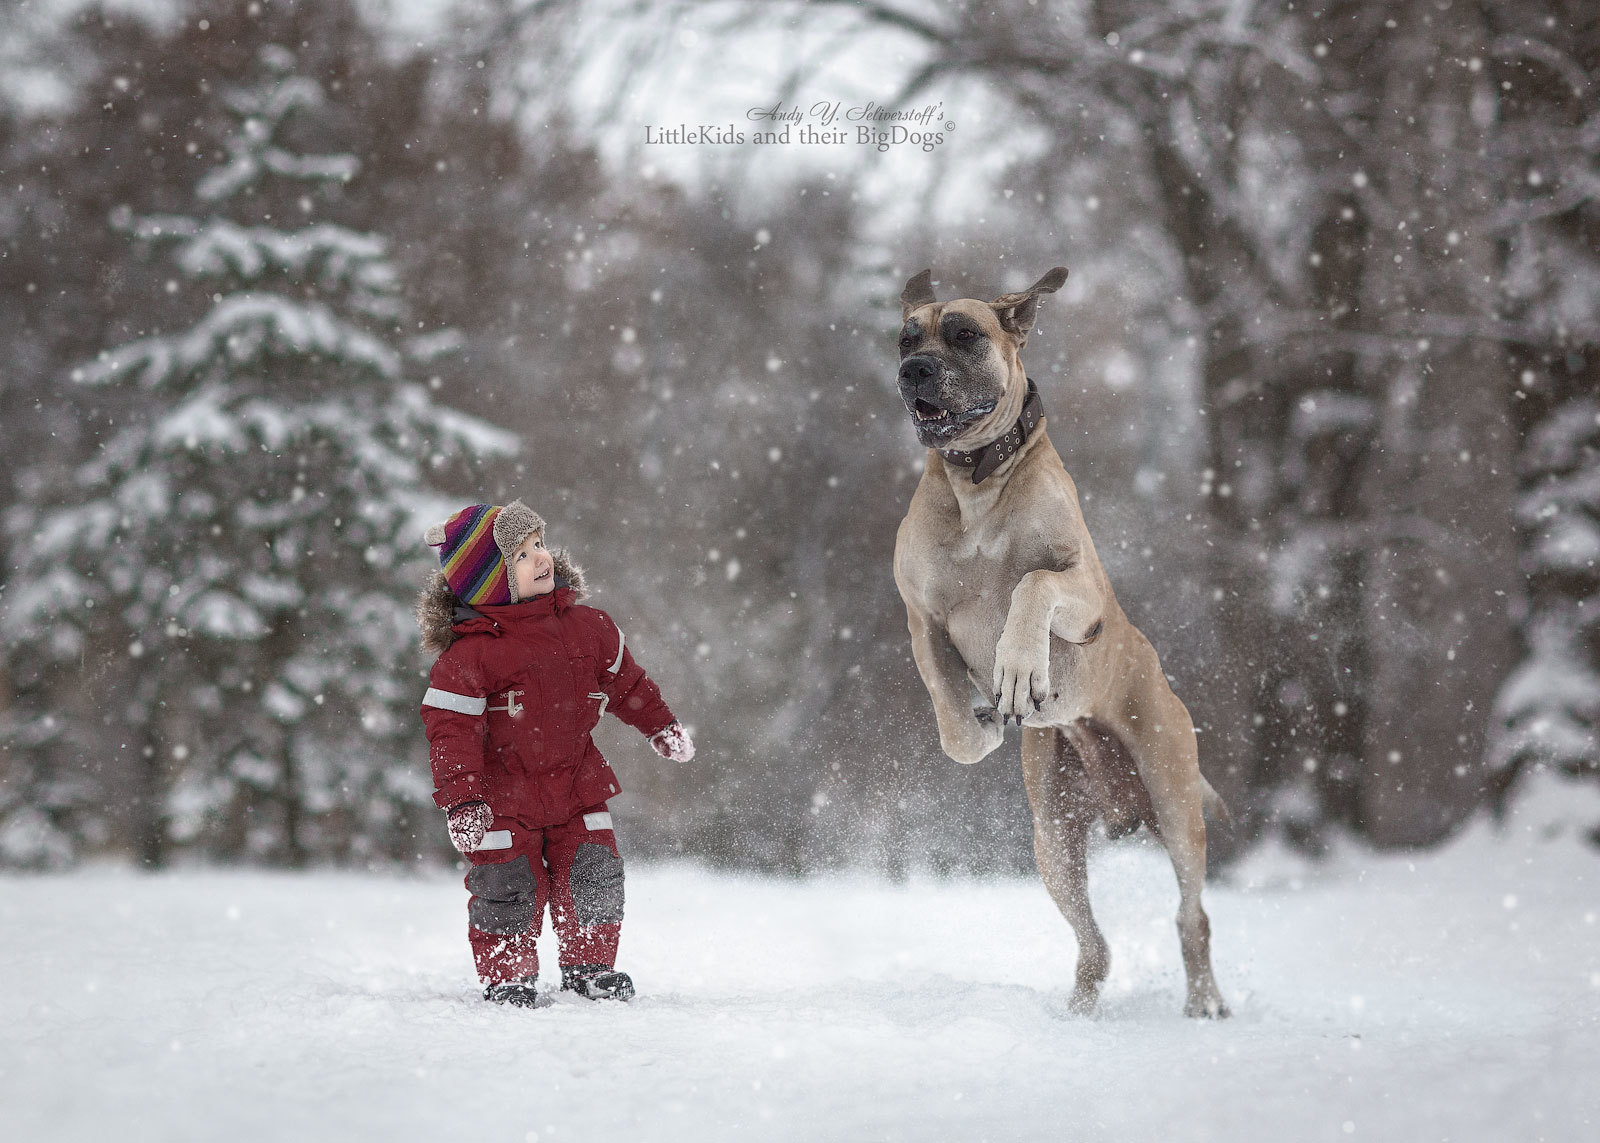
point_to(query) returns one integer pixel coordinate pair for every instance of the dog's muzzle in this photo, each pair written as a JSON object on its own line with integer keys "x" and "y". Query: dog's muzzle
{"x": 936, "y": 423}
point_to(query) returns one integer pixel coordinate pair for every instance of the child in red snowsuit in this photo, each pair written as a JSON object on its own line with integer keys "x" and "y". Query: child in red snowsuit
{"x": 524, "y": 674}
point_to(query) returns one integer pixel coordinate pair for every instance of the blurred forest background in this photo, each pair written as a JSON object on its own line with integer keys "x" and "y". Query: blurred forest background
{"x": 283, "y": 281}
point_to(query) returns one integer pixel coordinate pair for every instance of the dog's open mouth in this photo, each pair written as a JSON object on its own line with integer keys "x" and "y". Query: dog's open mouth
{"x": 936, "y": 425}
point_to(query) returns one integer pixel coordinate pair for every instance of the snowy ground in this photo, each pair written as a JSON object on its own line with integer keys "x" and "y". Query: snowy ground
{"x": 1452, "y": 996}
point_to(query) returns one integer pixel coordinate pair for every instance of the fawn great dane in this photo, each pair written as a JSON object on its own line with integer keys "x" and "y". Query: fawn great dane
{"x": 1004, "y": 593}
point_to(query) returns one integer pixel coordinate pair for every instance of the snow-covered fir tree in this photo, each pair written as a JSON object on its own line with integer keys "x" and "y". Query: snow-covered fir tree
{"x": 248, "y": 539}
{"x": 1547, "y": 711}
{"x": 1549, "y": 707}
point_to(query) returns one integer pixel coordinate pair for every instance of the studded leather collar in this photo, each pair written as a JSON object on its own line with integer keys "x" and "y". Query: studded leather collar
{"x": 983, "y": 461}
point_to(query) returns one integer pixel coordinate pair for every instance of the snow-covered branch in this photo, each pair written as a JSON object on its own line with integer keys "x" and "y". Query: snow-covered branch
{"x": 239, "y": 330}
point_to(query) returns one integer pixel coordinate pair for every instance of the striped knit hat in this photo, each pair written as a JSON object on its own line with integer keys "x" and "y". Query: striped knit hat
{"x": 474, "y": 545}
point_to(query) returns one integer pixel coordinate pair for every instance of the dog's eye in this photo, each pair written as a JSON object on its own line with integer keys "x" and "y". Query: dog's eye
{"x": 966, "y": 334}
{"x": 907, "y": 341}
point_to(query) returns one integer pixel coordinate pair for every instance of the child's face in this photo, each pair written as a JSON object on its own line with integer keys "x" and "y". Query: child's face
{"x": 533, "y": 567}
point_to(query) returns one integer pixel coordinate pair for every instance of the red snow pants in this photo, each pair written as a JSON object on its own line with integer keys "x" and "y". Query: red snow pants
{"x": 574, "y": 868}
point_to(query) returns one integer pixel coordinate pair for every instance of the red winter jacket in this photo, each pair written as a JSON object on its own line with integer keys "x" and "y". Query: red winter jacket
{"x": 513, "y": 698}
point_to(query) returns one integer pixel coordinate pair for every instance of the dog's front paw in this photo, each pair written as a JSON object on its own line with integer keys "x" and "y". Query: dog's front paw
{"x": 971, "y": 740}
{"x": 1021, "y": 676}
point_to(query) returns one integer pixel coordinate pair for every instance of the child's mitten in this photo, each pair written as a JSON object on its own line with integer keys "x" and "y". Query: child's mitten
{"x": 673, "y": 742}
{"x": 468, "y": 823}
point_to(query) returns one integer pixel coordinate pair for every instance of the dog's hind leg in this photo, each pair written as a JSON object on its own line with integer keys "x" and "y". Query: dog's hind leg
{"x": 1169, "y": 764}
{"x": 1185, "y": 835}
{"x": 1063, "y": 809}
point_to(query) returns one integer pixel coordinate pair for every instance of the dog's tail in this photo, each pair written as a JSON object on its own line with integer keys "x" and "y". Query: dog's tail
{"x": 1211, "y": 803}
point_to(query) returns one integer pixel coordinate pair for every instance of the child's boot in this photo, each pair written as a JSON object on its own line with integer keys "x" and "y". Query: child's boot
{"x": 596, "y": 982}
{"x": 521, "y": 993}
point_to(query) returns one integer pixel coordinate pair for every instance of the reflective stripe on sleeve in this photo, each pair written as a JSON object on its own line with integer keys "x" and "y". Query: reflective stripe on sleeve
{"x": 621, "y": 640}
{"x": 449, "y": 700}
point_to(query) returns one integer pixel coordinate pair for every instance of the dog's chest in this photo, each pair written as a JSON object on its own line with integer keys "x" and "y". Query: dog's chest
{"x": 970, "y": 575}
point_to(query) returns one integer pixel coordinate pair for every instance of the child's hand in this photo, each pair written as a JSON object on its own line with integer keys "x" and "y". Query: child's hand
{"x": 674, "y": 743}
{"x": 468, "y": 823}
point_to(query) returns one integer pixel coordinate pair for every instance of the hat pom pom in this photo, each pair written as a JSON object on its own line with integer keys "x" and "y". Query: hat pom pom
{"x": 434, "y": 536}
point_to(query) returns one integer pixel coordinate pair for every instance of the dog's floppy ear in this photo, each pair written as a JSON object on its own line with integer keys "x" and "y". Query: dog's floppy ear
{"x": 1016, "y": 311}
{"x": 918, "y": 293}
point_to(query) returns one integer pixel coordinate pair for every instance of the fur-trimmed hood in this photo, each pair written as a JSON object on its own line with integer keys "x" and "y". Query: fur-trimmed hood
{"x": 439, "y": 609}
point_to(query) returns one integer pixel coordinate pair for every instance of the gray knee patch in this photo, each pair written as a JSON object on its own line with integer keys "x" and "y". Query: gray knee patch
{"x": 596, "y": 885}
{"x": 504, "y": 897}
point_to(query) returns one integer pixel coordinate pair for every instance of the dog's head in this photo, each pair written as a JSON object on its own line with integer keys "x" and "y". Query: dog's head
{"x": 960, "y": 376}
